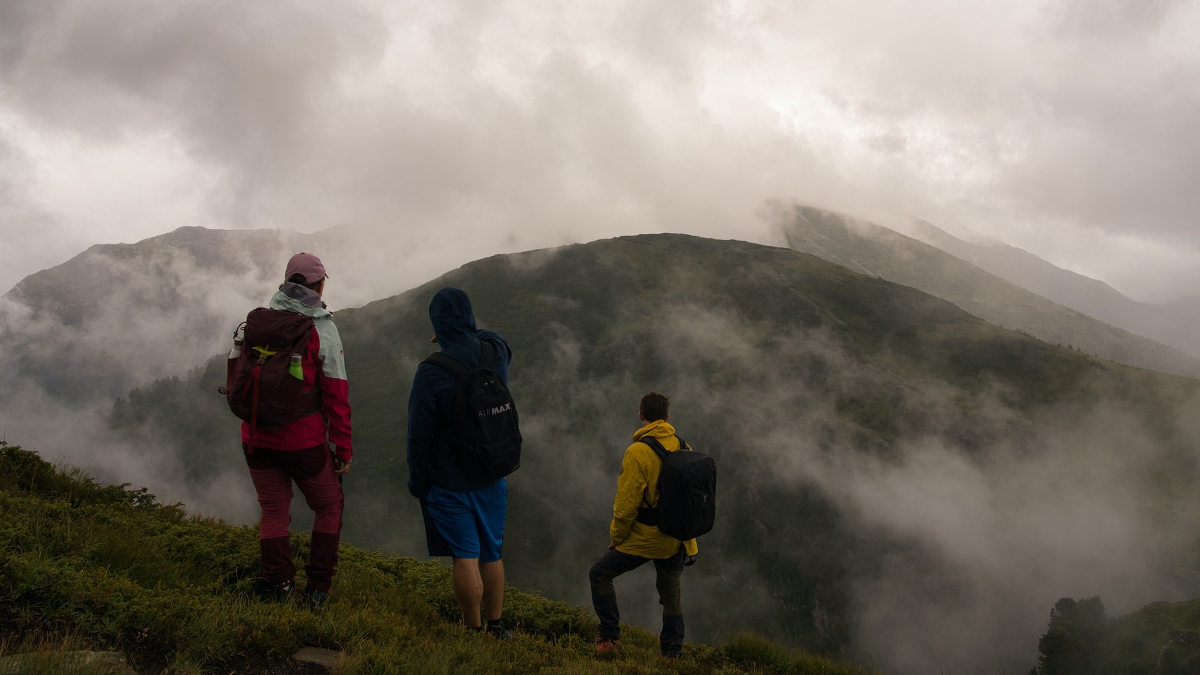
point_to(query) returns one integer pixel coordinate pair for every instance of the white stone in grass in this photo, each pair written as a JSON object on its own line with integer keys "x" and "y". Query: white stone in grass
{"x": 322, "y": 657}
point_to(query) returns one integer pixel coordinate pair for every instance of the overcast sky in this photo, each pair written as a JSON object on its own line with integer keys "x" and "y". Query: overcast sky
{"x": 1067, "y": 127}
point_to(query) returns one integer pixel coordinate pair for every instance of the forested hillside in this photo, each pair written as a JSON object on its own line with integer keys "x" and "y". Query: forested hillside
{"x": 1161, "y": 638}
{"x": 893, "y": 470}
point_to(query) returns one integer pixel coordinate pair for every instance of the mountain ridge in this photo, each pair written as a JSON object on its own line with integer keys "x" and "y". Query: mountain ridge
{"x": 120, "y": 314}
{"x": 815, "y": 387}
{"x": 878, "y": 251}
{"x": 1175, "y": 324}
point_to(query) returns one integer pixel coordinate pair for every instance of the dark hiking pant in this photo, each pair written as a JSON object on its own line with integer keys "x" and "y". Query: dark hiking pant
{"x": 312, "y": 469}
{"x": 604, "y": 597}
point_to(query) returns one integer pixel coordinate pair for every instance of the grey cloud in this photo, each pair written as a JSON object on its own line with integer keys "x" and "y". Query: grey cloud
{"x": 236, "y": 82}
{"x": 1009, "y": 536}
{"x": 23, "y": 223}
{"x": 1114, "y": 19}
{"x": 228, "y": 71}
{"x": 513, "y": 126}
{"x": 540, "y": 125}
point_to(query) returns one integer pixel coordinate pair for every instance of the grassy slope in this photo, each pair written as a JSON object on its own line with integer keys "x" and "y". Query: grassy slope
{"x": 116, "y": 570}
{"x": 866, "y": 364}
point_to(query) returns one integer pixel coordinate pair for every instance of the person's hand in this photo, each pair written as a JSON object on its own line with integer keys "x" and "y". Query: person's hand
{"x": 611, "y": 545}
{"x": 341, "y": 467}
{"x": 689, "y": 560}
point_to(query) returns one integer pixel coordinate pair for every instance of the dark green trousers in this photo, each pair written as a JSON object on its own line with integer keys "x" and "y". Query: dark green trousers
{"x": 604, "y": 597}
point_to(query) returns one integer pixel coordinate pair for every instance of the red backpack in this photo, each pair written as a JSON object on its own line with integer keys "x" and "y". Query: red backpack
{"x": 262, "y": 385}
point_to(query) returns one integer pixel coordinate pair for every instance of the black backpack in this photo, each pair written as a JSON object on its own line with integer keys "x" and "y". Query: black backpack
{"x": 258, "y": 385}
{"x": 687, "y": 492}
{"x": 488, "y": 443}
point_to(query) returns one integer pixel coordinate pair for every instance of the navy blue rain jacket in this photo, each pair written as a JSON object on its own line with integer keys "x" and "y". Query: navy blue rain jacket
{"x": 431, "y": 424}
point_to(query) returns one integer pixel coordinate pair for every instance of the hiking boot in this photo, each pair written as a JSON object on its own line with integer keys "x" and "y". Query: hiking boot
{"x": 496, "y": 629}
{"x": 282, "y": 591}
{"x": 318, "y": 598}
{"x": 607, "y": 647}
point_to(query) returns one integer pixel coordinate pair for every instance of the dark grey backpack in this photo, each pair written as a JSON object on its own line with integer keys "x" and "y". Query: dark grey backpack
{"x": 687, "y": 492}
{"x": 488, "y": 443}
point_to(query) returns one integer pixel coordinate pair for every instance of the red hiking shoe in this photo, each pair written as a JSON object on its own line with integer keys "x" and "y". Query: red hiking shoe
{"x": 606, "y": 647}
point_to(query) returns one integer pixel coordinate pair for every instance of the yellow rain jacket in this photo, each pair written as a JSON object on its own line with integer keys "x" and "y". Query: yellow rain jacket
{"x": 638, "y": 486}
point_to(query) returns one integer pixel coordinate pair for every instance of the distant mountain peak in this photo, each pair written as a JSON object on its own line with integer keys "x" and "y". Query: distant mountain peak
{"x": 1176, "y": 324}
{"x": 1055, "y": 305}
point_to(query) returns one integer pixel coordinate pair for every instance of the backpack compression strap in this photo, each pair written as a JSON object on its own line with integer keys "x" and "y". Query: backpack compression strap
{"x": 255, "y": 376}
{"x": 487, "y": 358}
{"x": 647, "y": 515}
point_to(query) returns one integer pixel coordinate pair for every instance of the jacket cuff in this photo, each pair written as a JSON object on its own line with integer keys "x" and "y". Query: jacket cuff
{"x": 343, "y": 454}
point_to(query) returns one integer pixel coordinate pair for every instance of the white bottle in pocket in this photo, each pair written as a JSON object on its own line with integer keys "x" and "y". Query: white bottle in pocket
{"x": 237, "y": 342}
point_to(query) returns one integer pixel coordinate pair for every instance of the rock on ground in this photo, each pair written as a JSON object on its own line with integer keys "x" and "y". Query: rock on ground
{"x": 323, "y": 657}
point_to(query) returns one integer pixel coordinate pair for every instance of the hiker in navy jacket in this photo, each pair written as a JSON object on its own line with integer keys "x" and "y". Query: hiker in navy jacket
{"x": 464, "y": 517}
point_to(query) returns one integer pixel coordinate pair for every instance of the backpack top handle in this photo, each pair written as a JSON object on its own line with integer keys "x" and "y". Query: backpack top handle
{"x": 487, "y": 358}
{"x": 658, "y": 448}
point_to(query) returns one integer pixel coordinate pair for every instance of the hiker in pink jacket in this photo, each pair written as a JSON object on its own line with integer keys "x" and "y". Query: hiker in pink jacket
{"x": 298, "y": 449}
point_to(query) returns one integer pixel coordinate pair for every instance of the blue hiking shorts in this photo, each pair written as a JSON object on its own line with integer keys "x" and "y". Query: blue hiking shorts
{"x": 471, "y": 524}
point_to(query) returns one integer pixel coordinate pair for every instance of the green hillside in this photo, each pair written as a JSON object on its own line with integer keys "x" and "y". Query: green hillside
{"x": 775, "y": 361}
{"x": 105, "y": 567}
{"x": 1162, "y": 638}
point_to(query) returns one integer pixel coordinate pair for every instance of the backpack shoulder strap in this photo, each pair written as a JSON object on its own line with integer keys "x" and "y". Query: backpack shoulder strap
{"x": 655, "y": 446}
{"x": 487, "y": 354}
{"x": 446, "y": 363}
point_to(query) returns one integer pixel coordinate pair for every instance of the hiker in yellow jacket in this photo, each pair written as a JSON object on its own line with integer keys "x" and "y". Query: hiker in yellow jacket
{"x": 633, "y": 542}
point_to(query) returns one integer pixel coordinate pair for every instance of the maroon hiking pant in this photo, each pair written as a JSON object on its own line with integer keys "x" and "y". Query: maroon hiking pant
{"x": 312, "y": 469}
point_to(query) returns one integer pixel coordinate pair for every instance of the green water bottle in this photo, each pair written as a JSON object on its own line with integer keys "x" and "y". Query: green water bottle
{"x": 294, "y": 368}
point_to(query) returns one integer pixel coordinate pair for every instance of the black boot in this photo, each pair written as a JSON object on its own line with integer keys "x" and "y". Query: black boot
{"x": 496, "y": 630}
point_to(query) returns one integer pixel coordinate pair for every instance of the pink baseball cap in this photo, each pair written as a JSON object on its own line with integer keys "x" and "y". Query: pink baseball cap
{"x": 307, "y": 265}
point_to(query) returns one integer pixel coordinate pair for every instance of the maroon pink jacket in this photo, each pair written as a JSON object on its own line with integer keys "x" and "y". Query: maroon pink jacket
{"x": 324, "y": 367}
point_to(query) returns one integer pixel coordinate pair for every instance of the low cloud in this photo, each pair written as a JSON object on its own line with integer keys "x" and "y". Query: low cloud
{"x": 1061, "y": 127}
{"x": 969, "y": 547}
